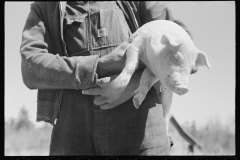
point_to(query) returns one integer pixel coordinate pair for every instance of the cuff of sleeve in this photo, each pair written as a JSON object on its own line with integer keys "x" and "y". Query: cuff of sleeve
{"x": 86, "y": 76}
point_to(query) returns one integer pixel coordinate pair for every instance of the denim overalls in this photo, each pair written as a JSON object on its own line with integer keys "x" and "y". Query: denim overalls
{"x": 83, "y": 128}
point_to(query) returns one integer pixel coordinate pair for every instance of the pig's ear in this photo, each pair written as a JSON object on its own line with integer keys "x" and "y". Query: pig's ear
{"x": 202, "y": 60}
{"x": 171, "y": 39}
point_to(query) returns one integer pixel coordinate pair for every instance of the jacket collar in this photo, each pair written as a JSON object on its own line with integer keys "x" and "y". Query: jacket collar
{"x": 63, "y": 7}
{"x": 130, "y": 14}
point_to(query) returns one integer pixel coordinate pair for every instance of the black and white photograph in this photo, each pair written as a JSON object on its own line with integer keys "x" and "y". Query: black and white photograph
{"x": 119, "y": 78}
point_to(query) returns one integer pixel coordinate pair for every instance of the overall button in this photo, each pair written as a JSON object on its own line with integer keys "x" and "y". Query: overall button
{"x": 85, "y": 81}
{"x": 55, "y": 121}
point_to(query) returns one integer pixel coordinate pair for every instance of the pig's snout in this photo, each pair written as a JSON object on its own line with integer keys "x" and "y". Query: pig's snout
{"x": 179, "y": 83}
{"x": 180, "y": 90}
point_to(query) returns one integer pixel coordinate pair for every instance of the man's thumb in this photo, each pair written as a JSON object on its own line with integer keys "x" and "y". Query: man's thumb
{"x": 103, "y": 81}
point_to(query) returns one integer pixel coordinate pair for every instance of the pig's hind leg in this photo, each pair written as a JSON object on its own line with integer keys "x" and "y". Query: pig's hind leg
{"x": 146, "y": 82}
{"x": 166, "y": 98}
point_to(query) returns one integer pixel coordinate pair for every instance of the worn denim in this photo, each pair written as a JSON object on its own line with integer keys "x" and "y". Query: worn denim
{"x": 85, "y": 129}
{"x": 84, "y": 28}
{"x": 59, "y": 73}
{"x": 46, "y": 65}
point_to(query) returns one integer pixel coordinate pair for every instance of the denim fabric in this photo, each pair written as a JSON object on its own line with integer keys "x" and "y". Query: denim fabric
{"x": 46, "y": 66}
{"x": 84, "y": 129}
{"x": 84, "y": 27}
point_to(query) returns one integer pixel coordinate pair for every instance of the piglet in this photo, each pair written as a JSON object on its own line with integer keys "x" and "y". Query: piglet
{"x": 170, "y": 57}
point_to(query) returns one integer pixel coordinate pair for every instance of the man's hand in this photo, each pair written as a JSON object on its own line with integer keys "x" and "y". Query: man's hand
{"x": 114, "y": 62}
{"x": 104, "y": 93}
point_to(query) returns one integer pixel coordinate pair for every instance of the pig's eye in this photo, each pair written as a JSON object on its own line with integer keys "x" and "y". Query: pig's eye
{"x": 174, "y": 58}
{"x": 177, "y": 57}
{"x": 194, "y": 70}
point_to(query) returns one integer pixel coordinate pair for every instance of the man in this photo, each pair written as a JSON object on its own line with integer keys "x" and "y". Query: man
{"x": 63, "y": 52}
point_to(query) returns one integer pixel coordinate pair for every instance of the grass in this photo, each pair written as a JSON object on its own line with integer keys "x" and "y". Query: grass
{"x": 36, "y": 141}
{"x": 216, "y": 139}
{"x": 27, "y": 142}
{"x": 22, "y": 138}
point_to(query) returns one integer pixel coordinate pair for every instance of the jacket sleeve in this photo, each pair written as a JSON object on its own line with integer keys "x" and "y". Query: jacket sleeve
{"x": 44, "y": 70}
{"x": 156, "y": 10}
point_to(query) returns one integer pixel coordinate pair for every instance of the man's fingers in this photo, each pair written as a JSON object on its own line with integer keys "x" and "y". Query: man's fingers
{"x": 100, "y": 100}
{"x": 103, "y": 81}
{"x": 107, "y": 106}
{"x": 92, "y": 91}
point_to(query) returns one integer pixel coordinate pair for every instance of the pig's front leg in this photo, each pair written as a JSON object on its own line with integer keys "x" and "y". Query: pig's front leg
{"x": 146, "y": 82}
{"x": 132, "y": 60}
{"x": 119, "y": 84}
{"x": 166, "y": 98}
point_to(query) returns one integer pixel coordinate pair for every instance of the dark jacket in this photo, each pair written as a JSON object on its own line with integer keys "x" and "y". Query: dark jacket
{"x": 46, "y": 65}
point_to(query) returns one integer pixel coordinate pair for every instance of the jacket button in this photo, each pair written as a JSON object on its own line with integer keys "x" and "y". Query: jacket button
{"x": 85, "y": 81}
{"x": 55, "y": 121}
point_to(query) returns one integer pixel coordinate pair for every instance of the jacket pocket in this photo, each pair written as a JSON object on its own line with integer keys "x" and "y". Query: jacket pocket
{"x": 76, "y": 32}
{"x": 70, "y": 19}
